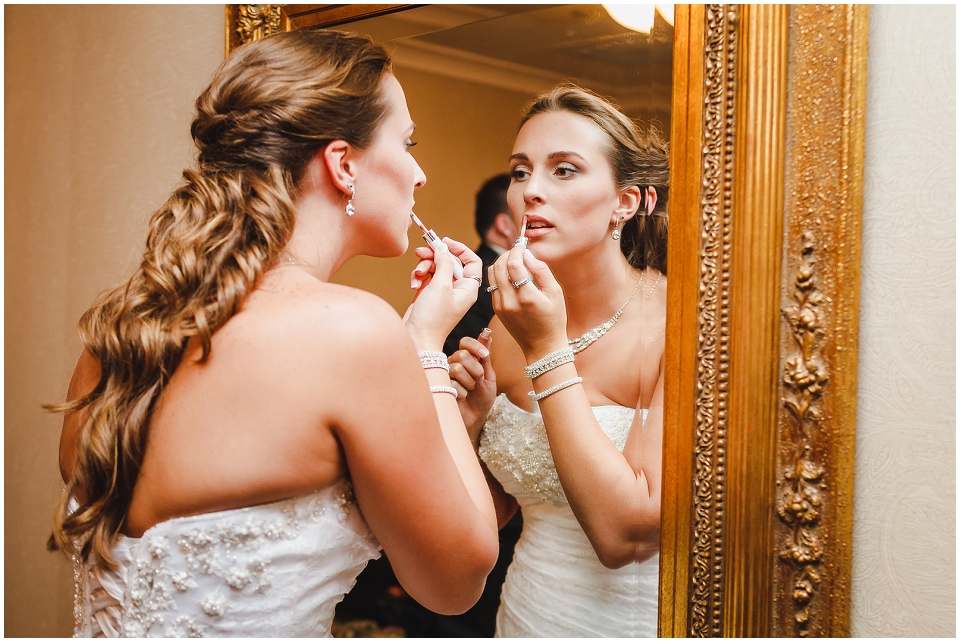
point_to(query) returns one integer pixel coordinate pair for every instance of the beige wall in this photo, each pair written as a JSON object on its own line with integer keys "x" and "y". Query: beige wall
{"x": 904, "y": 546}
{"x": 98, "y": 102}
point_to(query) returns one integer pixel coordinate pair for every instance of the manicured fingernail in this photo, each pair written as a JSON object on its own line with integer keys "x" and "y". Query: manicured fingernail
{"x": 483, "y": 352}
{"x": 414, "y": 284}
{"x": 486, "y": 333}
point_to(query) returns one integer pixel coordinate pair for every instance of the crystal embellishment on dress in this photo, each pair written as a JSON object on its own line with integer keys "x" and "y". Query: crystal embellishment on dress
{"x": 214, "y": 604}
{"x": 225, "y": 573}
{"x": 516, "y": 441}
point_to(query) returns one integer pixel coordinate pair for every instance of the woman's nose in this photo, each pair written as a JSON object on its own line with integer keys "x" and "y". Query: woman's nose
{"x": 532, "y": 189}
{"x": 419, "y": 176}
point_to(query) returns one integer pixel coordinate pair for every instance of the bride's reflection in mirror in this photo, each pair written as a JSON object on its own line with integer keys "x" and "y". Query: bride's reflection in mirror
{"x": 574, "y": 436}
{"x": 594, "y": 194}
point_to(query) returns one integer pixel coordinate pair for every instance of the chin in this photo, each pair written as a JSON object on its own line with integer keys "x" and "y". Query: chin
{"x": 390, "y": 248}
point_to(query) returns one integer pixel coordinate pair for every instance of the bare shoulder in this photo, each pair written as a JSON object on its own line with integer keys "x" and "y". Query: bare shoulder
{"x": 301, "y": 310}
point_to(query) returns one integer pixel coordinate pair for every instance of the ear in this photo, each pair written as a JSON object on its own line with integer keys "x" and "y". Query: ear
{"x": 628, "y": 203}
{"x": 650, "y": 199}
{"x": 503, "y": 224}
{"x": 338, "y": 157}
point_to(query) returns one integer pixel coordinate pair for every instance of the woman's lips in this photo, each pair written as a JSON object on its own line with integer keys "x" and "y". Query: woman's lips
{"x": 536, "y": 228}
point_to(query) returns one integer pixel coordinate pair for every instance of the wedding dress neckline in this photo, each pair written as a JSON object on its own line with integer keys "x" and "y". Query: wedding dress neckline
{"x": 227, "y": 512}
{"x": 272, "y": 569}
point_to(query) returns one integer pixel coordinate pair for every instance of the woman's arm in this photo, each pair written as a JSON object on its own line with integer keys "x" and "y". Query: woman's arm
{"x": 615, "y": 496}
{"x": 414, "y": 470}
{"x": 415, "y": 475}
{"x": 473, "y": 374}
{"x": 86, "y": 376}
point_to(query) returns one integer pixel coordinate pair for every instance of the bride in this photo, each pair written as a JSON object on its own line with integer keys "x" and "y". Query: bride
{"x": 241, "y": 435}
{"x": 573, "y": 437}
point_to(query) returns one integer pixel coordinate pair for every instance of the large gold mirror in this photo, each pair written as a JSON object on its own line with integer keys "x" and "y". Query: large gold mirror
{"x": 764, "y": 109}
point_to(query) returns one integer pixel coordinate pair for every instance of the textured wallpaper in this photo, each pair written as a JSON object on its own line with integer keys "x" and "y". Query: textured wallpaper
{"x": 904, "y": 555}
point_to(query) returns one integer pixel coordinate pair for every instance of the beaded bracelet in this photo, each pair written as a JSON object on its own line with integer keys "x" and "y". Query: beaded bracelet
{"x": 434, "y": 359}
{"x": 557, "y": 388}
{"x": 549, "y": 362}
{"x": 450, "y": 390}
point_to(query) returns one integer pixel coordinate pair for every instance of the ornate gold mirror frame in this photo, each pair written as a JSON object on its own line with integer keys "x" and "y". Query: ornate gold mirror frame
{"x": 766, "y": 198}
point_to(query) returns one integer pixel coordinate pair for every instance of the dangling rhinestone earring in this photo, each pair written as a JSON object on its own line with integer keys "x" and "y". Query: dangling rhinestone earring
{"x": 616, "y": 229}
{"x": 350, "y": 209}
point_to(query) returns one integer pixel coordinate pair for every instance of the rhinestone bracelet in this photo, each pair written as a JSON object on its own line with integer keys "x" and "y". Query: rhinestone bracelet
{"x": 433, "y": 359}
{"x": 549, "y": 362}
{"x": 557, "y": 388}
{"x": 450, "y": 390}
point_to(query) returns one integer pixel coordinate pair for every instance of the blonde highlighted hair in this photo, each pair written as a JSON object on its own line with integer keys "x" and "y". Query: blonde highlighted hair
{"x": 639, "y": 158}
{"x": 270, "y": 107}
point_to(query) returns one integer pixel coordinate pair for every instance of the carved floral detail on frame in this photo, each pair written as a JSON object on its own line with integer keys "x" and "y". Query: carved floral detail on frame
{"x": 256, "y": 21}
{"x": 805, "y": 376}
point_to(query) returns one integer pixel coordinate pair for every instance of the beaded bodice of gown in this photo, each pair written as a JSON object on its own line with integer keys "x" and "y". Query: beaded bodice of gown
{"x": 274, "y": 570}
{"x": 556, "y": 586}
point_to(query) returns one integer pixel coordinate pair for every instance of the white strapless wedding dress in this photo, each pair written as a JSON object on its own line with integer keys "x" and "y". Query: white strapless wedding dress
{"x": 274, "y": 570}
{"x": 556, "y": 586}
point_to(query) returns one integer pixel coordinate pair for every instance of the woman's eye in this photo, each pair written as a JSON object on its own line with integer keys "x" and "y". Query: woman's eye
{"x": 565, "y": 171}
{"x": 518, "y": 174}
{"x": 410, "y": 143}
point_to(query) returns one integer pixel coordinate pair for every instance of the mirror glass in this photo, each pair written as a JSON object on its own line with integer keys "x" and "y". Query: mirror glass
{"x": 468, "y": 72}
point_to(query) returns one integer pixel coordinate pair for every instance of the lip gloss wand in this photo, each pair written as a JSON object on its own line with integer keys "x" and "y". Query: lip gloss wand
{"x": 522, "y": 237}
{"x": 431, "y": 238}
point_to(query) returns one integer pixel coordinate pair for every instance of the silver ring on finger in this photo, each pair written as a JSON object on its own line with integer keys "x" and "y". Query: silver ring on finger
{"x": 519, "y": 284}
{"x": 478, "y": 279}
{"x": 491, "y": 288}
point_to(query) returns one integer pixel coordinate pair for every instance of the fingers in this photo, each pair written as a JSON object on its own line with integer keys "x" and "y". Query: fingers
{"x": 475, "y": 347}
{"x": 422, "y": 271}
{"x": 485, "y": 339}
{"x": 444, "y": 264}
{"x": 494, "y": 287}
{"x": 510, "y": 270}
{"x": 466, "y": 370}
{"x": 472, "y": 265}
{"x": 541, "y": 272}
{"x": 516, "y": 271}
{"x": 465, "y": 366}
{"x": 471, "y": 363}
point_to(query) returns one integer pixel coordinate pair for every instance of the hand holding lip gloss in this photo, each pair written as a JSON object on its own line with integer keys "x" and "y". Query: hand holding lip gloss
{"x": 522, "y": 236}
{"x": 434, "y": 242}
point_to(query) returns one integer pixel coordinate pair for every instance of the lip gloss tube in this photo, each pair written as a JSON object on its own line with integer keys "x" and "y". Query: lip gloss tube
{"x": 522, "y": 237}
{"x": 431, "y": 239}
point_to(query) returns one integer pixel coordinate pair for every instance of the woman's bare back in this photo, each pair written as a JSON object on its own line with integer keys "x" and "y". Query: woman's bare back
{"x": 253, "y": 424}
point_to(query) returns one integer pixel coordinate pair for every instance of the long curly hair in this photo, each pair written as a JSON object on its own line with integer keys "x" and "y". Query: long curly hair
{"x": 270, "y": 107}
{"x": 640, "y": 158}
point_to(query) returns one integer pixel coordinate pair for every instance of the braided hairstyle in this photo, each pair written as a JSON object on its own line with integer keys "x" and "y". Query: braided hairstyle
{"x": 270, "y": 107}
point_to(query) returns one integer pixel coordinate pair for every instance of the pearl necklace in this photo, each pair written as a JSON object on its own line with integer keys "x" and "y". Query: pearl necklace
{"x": 585, "y": 340}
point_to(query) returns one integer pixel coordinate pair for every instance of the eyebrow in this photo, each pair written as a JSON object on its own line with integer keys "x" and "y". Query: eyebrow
{"x": 552, "y": 156}
{"x": 555, "y": 155}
